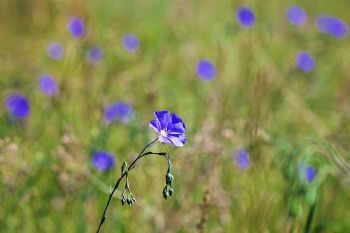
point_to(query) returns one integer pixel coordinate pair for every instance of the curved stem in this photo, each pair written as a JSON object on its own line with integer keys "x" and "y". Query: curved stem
{"x": 132, "y": 165}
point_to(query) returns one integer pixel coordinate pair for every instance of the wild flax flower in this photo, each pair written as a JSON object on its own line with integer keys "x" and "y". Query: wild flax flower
{"x": 94, "y": 55}
{"x": 245, "y": 17}
{"x": 76, "y": 27}
{"x": 310, "y": 173}
{"x": 241, "y": 158}
{"x": 17, "y": 105}
{"x": 171, "y": 130}
{"x": 305, "y": 62}
{"x": 118, "y": 111}
{"x": 55, "y": 51}
{"x": 296, "y": 15}
{"x": 130, "y": 43}
{"x": 103, "y": 160}
{"x": 332, "y": 26}
{"x": 206, "y": 70}
{"x": 48, "y": 85}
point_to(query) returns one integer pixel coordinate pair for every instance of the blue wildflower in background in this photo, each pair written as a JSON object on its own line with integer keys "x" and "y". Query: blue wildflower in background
{"x": 241, "y": 158}
{"x": 170, "y": 128}
{"x": 103, "y": 160}
{"x": 296, "y": 15}
{"x": 332, "y": 25}
{"x": 76, "y": 27}
{"x": 17, "y": 105}
{"x": 310, "y": 173}
{"x": 305, "y": 62}
{"x": 118, "y": 111}
{"x": 245, "y": 17}
{"x": 130, "y": 42}
{"x": 55, "y": 50}
{"x": 206, "y": 70}
{"x": 95, "y": 54}
{"x": 48, "y": 85}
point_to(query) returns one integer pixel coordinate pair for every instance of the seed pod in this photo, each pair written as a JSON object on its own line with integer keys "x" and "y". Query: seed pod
{"x": 133, "y": 200}
{"x": 171, "y": 190}
{"x": 123, "y": 201}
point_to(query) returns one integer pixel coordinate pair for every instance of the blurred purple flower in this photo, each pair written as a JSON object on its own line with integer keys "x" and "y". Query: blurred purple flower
{"x": 130, "y": 42}
{"x": 17, "y": 105}
{"x": 305, "y": 62}
{"x": 206, "y": 70}
{"x": 241, "y": 157}
{"x": 55, "y": 50}
{"x": 103, "y": 160}
{"x": 76, "y": 27}
{"x": 118, "y": 111}
{"x": 170, "y": 128}
{"x": 48, "y": 85}
{"x": 332, "y": 25}
{"x": 95, "y": 54}
{"x": 245, "y": 17}
{"x": 310, "y": 174}
{"x": 296, "y": 15}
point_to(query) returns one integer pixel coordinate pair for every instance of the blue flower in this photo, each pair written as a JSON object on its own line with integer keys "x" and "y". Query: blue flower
{"x": 332, "y": 25}
{"x": 296, "y": 15}
{"x": 118, "y": 111}
{"x": 170, "y": 128}
{"x": 76, "y": 27}
{"x": 95, "y": 54}
{"x": 310, "y": 174}
{"x": 305, "y": 62}
{"x": 17, "y": 105}
{"x": 55, "y": 50}
{"x": 245, "y": 17}
{"x": 130, "y": 42}
{"x": 206, "y": 70}
{"x": 241, "y": 157}
{"x": 48, "y": 85}
{"x": 103, "y": 160}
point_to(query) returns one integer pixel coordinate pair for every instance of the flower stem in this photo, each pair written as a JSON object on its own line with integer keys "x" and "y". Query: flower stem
{"x": 310, "y": 218}
{"x": 132, "y": 165}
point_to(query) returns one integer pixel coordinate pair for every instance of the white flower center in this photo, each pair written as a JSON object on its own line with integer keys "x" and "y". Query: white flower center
{"x": 163, "y": 133}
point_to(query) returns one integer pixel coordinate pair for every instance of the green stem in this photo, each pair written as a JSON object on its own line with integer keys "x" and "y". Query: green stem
{"x": 310, "y": 217}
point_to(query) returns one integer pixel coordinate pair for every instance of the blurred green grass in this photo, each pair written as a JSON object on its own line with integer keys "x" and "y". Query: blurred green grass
{"x": 258, "y": 100}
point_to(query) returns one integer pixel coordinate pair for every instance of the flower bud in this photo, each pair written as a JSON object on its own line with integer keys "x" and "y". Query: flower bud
{"x": 128, "y": 200}
{"x": 169, "y": 178}
{"x": 165, "y": 192}
{"x": 123, "y": 200}
{"x": 171, "y": 190}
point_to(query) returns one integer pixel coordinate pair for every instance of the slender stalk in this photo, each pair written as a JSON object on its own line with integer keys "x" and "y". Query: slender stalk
{"x": 132, "y": 165}
{"x": 310, "y": 218}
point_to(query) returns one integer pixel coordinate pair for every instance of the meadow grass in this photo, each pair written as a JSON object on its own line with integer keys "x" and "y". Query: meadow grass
{"x": 259, "y": 100}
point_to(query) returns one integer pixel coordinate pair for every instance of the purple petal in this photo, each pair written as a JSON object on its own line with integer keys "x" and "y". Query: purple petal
{"x": 163, "y": 118}
{"x": 177, "y": 140}
{"x": 155, "y": 125}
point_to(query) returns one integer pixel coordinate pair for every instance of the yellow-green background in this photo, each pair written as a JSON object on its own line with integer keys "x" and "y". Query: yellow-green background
{"x": 259, "y": 100}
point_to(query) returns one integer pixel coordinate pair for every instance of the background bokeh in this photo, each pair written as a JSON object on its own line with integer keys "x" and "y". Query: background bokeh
{"x": 259, "y": 100}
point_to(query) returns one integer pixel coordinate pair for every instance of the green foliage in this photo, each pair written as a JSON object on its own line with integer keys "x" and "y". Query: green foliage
{"x": 259, "y": 100}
